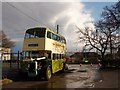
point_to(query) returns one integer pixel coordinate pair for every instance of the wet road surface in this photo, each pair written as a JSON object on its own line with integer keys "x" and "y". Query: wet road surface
{"x": 86, "y": 76}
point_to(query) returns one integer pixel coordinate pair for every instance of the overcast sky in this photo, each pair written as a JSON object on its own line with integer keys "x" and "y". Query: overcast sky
{"x": 17, "y": 17}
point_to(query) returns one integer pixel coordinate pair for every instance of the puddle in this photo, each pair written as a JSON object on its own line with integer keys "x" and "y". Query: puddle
{"x": 75, "y": 77}
{"x": 71, "y": 70}
{"x": 83, "y": 70}
{"x": 89, "y": 85}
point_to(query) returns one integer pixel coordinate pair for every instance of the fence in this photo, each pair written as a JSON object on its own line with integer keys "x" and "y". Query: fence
{"x": 12, "y": 59}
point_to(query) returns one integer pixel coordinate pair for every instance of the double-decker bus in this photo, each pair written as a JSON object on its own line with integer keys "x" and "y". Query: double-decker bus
{"x": 43, "y": 52}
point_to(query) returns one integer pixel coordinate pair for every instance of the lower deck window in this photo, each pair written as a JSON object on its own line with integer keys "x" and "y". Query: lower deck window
{"x": 58, "y": 56}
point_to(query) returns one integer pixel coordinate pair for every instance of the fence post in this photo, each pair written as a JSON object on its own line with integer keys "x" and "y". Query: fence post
{"x": 10, "y": 60}
{"x": 18, "y": 60}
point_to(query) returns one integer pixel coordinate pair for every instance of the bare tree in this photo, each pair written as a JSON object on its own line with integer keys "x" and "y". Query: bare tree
{"x": 111, "y": 15}
{"x": 105, "y": 34}
{"x": 111, "y": 20}
{"x": 94, "y": 40}
{"x": 5, "y": 42}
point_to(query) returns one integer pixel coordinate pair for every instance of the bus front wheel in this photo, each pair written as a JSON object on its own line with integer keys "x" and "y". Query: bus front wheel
{"x": 48, "y": 73}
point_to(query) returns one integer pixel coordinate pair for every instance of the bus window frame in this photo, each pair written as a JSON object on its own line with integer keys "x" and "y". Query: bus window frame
{"x": 50, "y": 37}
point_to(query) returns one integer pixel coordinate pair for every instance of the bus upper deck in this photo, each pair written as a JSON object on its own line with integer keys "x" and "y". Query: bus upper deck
{"x": 41, "y": 40}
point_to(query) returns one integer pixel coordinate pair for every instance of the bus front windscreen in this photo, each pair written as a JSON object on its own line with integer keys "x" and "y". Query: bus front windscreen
{"x": 35, "y": 33}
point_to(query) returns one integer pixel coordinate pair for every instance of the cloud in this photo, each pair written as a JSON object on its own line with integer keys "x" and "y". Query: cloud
{"x": 74, "y": 14}
{"x": 17, "y": 40}
{"x": 19, "y": 16}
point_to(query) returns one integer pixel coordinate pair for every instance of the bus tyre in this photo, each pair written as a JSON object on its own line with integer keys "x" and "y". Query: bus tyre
{"x": 48, "y": 73}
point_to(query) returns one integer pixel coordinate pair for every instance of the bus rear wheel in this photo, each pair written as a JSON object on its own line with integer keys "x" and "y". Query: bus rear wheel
{"x": 48, "y": 73}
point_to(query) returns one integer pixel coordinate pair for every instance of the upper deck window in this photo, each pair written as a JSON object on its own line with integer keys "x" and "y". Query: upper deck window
{"x": 49, "y": 34}
{"x": 56, "y": 37}
{"x": 35, "y": 33}
{"x": 63, "y": 40}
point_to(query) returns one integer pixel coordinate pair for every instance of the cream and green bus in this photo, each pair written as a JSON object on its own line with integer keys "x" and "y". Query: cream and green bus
{"x": 43, "y": 52}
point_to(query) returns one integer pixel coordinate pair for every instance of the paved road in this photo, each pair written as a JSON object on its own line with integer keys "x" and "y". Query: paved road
{"x": 86, "y": 76}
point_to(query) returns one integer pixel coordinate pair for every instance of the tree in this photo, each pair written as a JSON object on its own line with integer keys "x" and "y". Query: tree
{"x": 5, "y": 42}
{"x": 111, "y": 15}
{"x": 111, "y": 20}
{"x": 105, "y": 34}
{"x": 94, "y": 40}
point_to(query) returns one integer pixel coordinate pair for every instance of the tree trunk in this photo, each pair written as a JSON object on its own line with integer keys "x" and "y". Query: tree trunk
{"x": 110, "y": 45}
{"x": 103, "y": 60}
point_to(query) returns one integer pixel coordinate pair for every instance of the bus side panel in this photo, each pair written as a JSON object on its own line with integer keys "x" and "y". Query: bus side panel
{"x": 61, "y": 63}
{"x": 54, "y": 66}
{"x": 55, "y": 46}
{"x": 57, "y": 65}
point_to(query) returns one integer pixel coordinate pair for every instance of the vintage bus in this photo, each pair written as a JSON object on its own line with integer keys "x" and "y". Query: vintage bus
{"x": 43, "y": 52}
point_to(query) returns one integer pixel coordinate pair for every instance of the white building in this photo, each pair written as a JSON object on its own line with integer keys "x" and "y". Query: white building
{"x": 5, "y": 53}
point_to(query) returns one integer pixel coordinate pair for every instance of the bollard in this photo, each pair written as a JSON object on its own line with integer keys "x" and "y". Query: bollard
{"x": 80, "y": 65}
{"x": 10, "y": 60}
{"x": 99, "y": 64}
{"x": 91, "y": 64}
{"x": 18, "y": 60}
